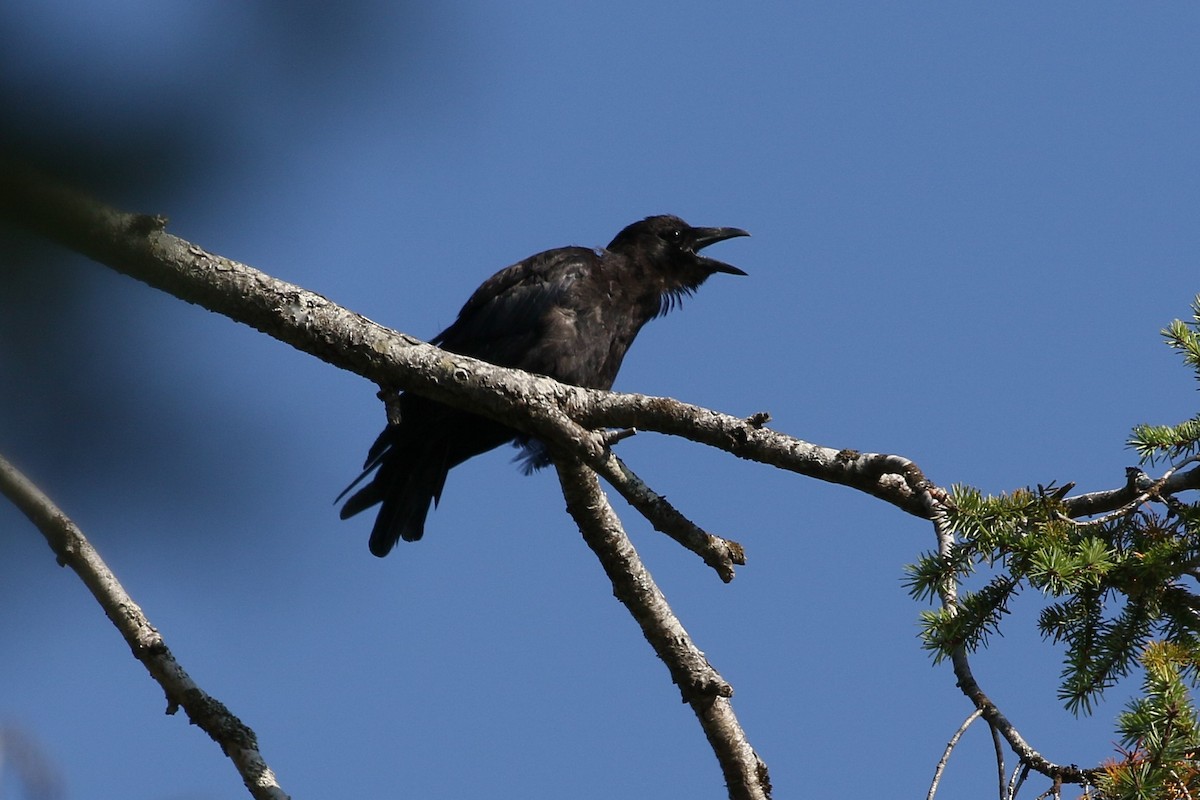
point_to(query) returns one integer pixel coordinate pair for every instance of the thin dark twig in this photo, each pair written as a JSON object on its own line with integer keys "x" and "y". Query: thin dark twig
{"x": 1054, "y": 791}
{"x": 998, "y": 745}
{"x": 970, "y": 687}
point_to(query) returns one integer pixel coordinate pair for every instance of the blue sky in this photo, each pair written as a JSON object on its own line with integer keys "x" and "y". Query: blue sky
{"x": 969, "y": 225}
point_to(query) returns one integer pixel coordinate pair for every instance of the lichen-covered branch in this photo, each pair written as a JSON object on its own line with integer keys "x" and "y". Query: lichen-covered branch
{"x": 701, "y": 686}
{"x": 74, "y": 551}
{"x": 137, "y": 245}
{"x": 892, "y": 478}
{"x": 719, "y": 553}
{"x": 567, "y": 416}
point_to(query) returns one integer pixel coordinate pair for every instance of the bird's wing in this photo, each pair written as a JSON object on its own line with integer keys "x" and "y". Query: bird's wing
{"x": 506, "y": 316}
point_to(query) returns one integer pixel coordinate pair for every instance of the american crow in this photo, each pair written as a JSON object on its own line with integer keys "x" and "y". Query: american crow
{"x": 569, "y": 313}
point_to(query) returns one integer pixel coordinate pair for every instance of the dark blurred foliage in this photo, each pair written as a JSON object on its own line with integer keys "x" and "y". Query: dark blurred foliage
{"x": 149, "y": 107}
{"x": 32, "y": 769}
{"x": 166, "y": 102}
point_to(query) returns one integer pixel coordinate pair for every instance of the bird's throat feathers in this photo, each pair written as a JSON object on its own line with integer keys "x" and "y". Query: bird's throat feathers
{"x": 671, "y": 297}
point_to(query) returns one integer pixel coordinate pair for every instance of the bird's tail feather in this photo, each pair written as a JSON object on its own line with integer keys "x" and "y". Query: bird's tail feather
{"x": 408, "y": 464}
{"x": 406, "y": 502}
{"x": 410, "y": 477}
{"x": 384, "y": 444}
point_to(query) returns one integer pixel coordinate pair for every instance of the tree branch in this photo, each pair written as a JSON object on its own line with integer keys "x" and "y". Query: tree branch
{"x": 137, "y": 245}
{"x": 720, "y": 554}
{"x": 74, "y": 551}
{"x": 950, "y": 745}
{"x": 891, "y": 478}
{"x": 569, "y": 419}
{"x": 1137, "y": 485}
{"x": 998, "y": 747}
{"x": 701, "y": 686}
{"x": 994, "y": 717}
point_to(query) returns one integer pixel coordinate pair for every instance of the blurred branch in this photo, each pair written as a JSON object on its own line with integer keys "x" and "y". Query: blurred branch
{"x": 74, "y": 551}
{"x": 701, "y": 686}
{"x": 33, "y": 770}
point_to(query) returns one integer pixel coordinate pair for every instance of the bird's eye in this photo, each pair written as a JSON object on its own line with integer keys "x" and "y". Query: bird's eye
{"x": 676, "y": 235}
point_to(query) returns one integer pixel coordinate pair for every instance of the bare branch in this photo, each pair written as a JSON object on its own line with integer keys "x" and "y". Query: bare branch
{"x": 1054, "y": 791}
{"x": 1016, "y": 781}
{"x": 941, "y": 765}
{"x": 701, "y": 686}
{"x": 1025, "y": 752}
{"x": 720, "y": 554}
{"x": 136, "y": 245}
{"x": 891, "y": 478}
{"x": 1136, "y": 484}
{"x": 74, "y": 551}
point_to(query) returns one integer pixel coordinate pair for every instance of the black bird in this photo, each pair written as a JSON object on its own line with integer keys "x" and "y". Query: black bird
{"x": 569, "y": 313}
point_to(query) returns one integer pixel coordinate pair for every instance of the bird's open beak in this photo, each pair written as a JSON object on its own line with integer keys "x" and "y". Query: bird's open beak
{"x": 703, "y": 237}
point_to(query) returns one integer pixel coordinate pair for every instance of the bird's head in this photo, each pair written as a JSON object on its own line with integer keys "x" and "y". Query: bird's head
{"x": 670, "y": 248}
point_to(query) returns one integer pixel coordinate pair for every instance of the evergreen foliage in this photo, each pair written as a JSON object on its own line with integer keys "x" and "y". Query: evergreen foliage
{"x": 1122, "y": 589}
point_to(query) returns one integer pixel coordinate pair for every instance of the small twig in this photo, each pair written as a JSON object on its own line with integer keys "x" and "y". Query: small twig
{"x": 609, "y": 438}
{"x": 701, "y": 686}
{"x": 1054, "y": 791}
{"x": 1020, "y": 773}
{"x": 941, "y": 765}
{"x": 74, "y": 551}
{"x": 758, "y": 419}
{"x": 719, "y": 553}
